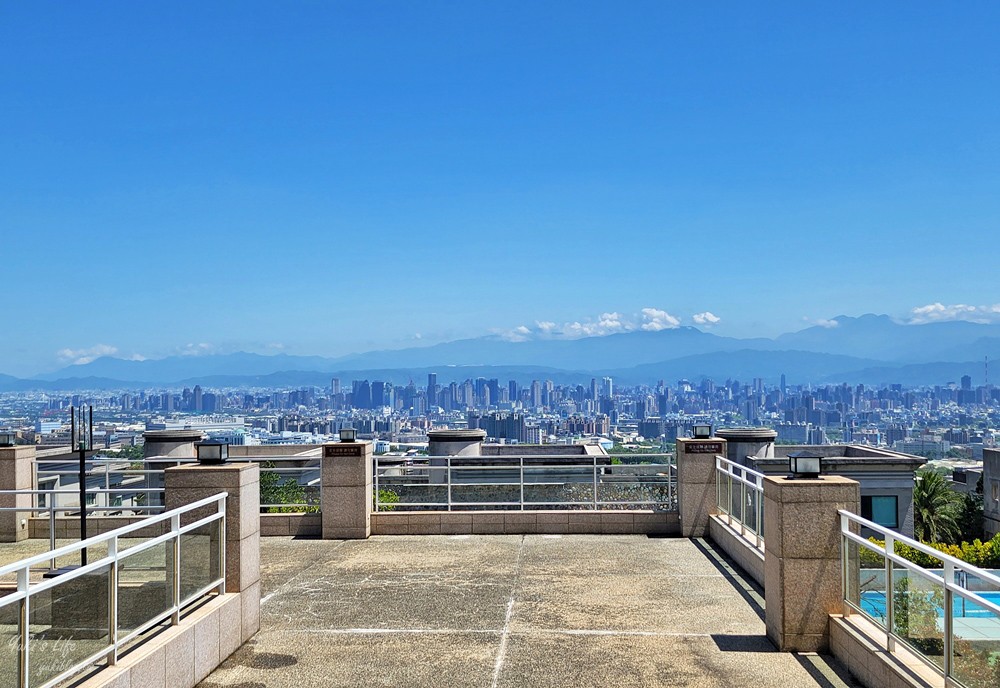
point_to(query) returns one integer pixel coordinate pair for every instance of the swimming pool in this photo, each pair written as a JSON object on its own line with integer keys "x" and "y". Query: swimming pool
{"x": 873, "y": 603}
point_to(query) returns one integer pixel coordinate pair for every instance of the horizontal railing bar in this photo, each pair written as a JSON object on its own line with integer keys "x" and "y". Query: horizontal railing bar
{"x": 118, "y": 532}
{"x": 89, "y": 509}
{"x": 919, "y": 546}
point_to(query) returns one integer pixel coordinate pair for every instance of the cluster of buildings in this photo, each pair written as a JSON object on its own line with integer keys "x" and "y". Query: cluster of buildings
{"x": 953, "y": 421}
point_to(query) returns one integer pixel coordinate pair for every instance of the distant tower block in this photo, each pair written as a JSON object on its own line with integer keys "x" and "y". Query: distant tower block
{"x": 744, "y": 442}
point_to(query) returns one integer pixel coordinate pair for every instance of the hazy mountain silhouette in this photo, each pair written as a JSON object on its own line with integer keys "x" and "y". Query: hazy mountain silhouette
{"x": 868, "y": 348}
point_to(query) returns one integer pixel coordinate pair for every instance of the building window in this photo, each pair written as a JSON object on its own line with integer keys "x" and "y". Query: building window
{"x": 996, "y": 491}
{"x": 881, "y": 510}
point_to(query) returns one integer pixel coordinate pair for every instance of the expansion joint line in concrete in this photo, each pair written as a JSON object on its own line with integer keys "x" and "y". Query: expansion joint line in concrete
{"x": 505, "y": 633}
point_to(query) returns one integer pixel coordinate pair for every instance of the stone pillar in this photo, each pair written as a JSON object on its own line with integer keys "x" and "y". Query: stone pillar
{"x": 241, "y": 481}
{"x": 802, "y": 569}
{"x": 347, "y": 495}
{"x": 16, "y": 473}
{"x": 696, "y": 495}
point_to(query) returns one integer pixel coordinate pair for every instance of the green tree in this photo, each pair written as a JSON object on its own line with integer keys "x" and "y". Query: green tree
{"x": 274, "y": 491}
{"x": 970, "y": 517}
{"x": 935, "y": 508}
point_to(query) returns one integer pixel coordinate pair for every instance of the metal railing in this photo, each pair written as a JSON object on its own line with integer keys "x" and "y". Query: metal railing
{"x": 955, "y": 630}
{"x": 293, "y": 488}
{"x": 58, "y": 627}
{"x": 572, "y": 481}
{"x": 740, "y": 499}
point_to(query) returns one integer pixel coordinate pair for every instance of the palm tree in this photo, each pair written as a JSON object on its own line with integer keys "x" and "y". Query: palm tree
{"x": 935, "y": 508}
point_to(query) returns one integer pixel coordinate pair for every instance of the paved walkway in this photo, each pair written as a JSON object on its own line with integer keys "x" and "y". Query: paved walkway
{"x": 499, "y": 611}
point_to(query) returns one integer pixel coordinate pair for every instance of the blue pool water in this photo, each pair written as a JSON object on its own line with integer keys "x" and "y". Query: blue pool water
{"x": 873, "y": 603}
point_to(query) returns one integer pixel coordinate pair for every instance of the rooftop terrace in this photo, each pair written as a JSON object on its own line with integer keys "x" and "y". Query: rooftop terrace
{"x": 511, "y": 610}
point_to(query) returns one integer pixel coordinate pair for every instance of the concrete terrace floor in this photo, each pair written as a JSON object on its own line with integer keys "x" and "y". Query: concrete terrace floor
{"x": 499, "y": 611}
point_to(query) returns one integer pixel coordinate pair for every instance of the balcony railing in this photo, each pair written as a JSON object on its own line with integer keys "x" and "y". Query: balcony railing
{"x": 949, "y": 617}
{"x": 740, "y": 499}
{"x": 116, "y": 487}
{"x": 463, "y": 483}
{"x": 52, "y": 629}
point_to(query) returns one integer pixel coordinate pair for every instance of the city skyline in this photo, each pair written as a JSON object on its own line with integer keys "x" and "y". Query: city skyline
{"x": 379, "y": 176}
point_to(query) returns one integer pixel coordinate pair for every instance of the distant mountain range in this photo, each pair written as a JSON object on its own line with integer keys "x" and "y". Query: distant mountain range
{"x": 871, "y": 349}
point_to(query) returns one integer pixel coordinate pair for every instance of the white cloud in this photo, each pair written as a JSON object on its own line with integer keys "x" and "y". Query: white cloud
{"x": 82, "y": 356}
{"x": 195, "y": 349}
{"x": 606, "y": 323}
{"x": 655, "y": 320}
{"x": 706, "y": 319}
{"x": 939, "y": 312}
{"x": 649, "y": 319}
{"x": 822, "y": 322}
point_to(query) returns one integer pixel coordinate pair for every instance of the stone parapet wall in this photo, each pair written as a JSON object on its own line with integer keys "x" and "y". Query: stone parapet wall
{"x": 860, "y": 647}
{"x": 278, "y": 525}
{"x": 524, "y": 522}
{"x": 183, "y": 655}
{"x": 743, "y": 552}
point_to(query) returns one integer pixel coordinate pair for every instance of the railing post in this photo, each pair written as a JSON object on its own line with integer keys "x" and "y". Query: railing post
{"x": 890, "y": 598}
{"x": 448, "y": 469}
{"x": 522, "y": 482}
{"x": 175, "y": 526}
{"x": 222, "y": 546}
{"x": 949, "y": 617}
{"x": 376, "y": 497}
{"x": 595, "y": 482}
{"x": 718, "y": 484}
{"x": 52, "y": 528}
{"x": 113, "y": 602}
{"x": 25, "y": 625}
{"x": 743, "y": 508}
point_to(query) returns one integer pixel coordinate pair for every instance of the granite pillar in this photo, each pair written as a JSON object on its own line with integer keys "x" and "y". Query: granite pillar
{"x": 803, "y": 581}
{"x": 696, "y": 493}
{"x": 16, "y": 473}
{"x": 347, "y": 494}
{"x": 241, "y": 481}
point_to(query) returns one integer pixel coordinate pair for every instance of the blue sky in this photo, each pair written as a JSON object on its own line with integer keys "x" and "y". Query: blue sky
{"x": 326, "y": 177}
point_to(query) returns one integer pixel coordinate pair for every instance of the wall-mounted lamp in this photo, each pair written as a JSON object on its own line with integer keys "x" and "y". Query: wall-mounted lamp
{"x": 701, "y": 432}
{"x": 348, "y": 435}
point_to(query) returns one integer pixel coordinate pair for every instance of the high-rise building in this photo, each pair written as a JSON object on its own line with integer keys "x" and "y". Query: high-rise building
{"x": 432, "y": 389}
{"x": 607, "y": 388}
{"x": 335, "y": 386}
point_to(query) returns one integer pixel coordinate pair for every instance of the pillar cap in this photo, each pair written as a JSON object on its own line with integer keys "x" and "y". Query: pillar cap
{"x": 456, "y": 435}
{"x": 747, "y": 434}
{"x": 178, "y": 435}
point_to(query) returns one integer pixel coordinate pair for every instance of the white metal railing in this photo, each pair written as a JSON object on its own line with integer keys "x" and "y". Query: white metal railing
{"x": 109, "y": 478}
{"x": 739, "y": 495}
{"x": 571, "y": 481}
{"x": 62, "y": 625}
{"x": 955, "y": 630}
